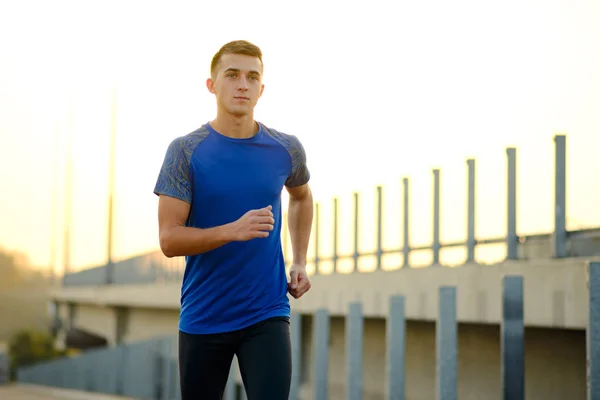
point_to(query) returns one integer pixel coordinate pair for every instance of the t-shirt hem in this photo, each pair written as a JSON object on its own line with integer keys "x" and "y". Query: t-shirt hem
{"x": 296, "y": 184}
{"x": 187, "y": 199}
{"x": 185, "y": 328}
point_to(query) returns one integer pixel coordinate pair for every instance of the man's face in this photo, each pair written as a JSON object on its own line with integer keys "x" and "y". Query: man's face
{"x": 237, "y": 83}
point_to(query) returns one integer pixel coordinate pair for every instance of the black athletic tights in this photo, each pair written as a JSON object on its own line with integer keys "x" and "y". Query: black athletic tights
{"x": 264, "y": 355}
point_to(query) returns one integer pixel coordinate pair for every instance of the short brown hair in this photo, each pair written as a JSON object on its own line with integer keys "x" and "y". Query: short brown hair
{"x": 235, "y": 47}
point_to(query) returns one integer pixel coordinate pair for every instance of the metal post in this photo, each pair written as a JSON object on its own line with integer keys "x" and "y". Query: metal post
{"x": 110, "y": 274}
{"x": 296, "y": 342}
{"x": 560, "y": 210}
{"x": 354, "y": 350}
{"x": 54, "y": 206}
{"x": 436, "y": 216}
{"x": 175, "y": 369}
{"x": 321, "y": 354}
{"x": 511, "y": 234}
{"x": 379, "y": 227}
{"x": 68, "y": 193}
{"x": 593, "y": 332}
{"x": 471, "y": 212}
{"x": 335, "y": 234}
{"x": 316, "y": 238}
{"x": 355, "y": 231}
{"x": 4, "y": 368}
{"x": 406, "y": 246}
{"x": 396, "y": 348}
{"x": 447, "y": 343}
{"x": 513, "y": 333}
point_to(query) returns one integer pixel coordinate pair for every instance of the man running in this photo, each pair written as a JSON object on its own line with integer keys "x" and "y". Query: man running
{"x": 219, "y": 205}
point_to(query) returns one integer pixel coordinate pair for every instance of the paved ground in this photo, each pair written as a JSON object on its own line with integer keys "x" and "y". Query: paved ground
{"x": 32, "y": 392}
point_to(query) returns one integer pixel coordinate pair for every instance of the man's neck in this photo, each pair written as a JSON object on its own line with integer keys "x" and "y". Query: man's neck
{"x": 238, "y": 127}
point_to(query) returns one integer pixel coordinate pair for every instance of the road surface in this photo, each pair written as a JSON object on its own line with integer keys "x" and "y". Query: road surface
{"x": 33, "y": 392}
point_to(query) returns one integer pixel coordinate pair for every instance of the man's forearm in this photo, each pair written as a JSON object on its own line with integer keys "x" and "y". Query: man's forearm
{"x": 186, "y": 241}
{"x": 300, "y": 216}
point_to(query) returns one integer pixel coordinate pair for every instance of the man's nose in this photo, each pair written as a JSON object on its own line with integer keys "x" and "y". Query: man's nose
{"x": 243, "y": 83}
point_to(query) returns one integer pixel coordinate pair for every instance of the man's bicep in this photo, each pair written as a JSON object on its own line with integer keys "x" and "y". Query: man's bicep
{"x": 172, "y": 212}
{"x": 299, "y": 192}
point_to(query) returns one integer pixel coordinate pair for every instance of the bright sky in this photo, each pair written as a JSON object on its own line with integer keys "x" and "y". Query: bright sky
{"x": 375, "y": 90}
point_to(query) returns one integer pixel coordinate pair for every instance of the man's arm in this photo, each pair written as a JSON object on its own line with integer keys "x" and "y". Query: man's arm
{"x": 300, "y": 216}
{"x": 178, "y": 240}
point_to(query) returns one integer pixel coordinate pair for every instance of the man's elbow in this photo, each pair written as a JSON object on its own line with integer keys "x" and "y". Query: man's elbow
{"x": 166, "y": 244}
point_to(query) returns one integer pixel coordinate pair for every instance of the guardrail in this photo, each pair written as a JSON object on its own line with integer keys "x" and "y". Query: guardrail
{"x": 514, "y": 243}
{"x": 127, "y": 369}
{"x": 154, "y": 267}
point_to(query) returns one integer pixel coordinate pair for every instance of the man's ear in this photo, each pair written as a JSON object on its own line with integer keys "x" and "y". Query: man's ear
{"x": 210, "y": 85}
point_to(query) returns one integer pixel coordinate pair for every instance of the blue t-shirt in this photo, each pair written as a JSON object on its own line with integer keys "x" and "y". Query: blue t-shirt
{"x": 222, "y": 178}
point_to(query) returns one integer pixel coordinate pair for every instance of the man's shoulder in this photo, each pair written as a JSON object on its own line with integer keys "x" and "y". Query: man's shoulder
{"x": 192, "y": 139}
{"x": 174, "y": 178}
{"x": 289, "y": 141}
{"x": 182, "y": 147}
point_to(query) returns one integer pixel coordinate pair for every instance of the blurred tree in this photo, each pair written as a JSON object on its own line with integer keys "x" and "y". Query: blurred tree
{"x": 28, "y": 347}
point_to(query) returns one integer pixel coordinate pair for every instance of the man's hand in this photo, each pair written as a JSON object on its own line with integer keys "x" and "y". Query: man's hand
{"x": 299, "y": 282}
{"x": 254, "y": 224}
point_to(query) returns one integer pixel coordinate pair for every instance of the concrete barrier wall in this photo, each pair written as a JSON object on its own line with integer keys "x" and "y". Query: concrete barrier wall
{"x": 362, "y": 356}
{"x": 143, "y": 370}
{"x": 555, "y": 292}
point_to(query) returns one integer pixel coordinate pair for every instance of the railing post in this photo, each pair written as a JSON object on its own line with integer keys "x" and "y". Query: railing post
{"x": 560, "y": 230}
{"x": 436, "y": 216}
{"x": 511, "y": 215}
{"x": 4, "y": 368}
{"x": 405, "y": 220}
{"x": 395, "y": 349}
{"x": 335, "y": 234}
{"x": 355, "y": 231}
{"x": 177, "y": 387}
{"x": 354, "y": 351}
{"x": 119, "y": 371}
{"x": 447, "y": 343}
{"x": 316, "y": 244}
{"x": 379, "y": 227}
{"x": 471, "y": 212}
{"x": 321, "y": 354}
{"x": 296, "y": 342}
{"x": 513, "y": 333}
{"x": 593, "y": 332}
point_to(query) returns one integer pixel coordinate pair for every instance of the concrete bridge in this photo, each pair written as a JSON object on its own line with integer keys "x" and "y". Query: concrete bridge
{"x": 138, "y": 299}
{"x": 556, "y": 315}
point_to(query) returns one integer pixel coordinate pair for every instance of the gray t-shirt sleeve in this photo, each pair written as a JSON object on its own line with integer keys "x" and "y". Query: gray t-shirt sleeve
{"x": 174, "y": 176}
{"x": 300, "y": 174}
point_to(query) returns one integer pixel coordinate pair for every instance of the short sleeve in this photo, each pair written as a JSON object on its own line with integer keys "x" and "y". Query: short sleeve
{"x": 300, "y": 173}
{"x": 174, "y": 176}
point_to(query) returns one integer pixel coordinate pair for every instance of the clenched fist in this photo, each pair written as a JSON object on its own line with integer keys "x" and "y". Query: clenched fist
{"x": 254, "y": 224}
